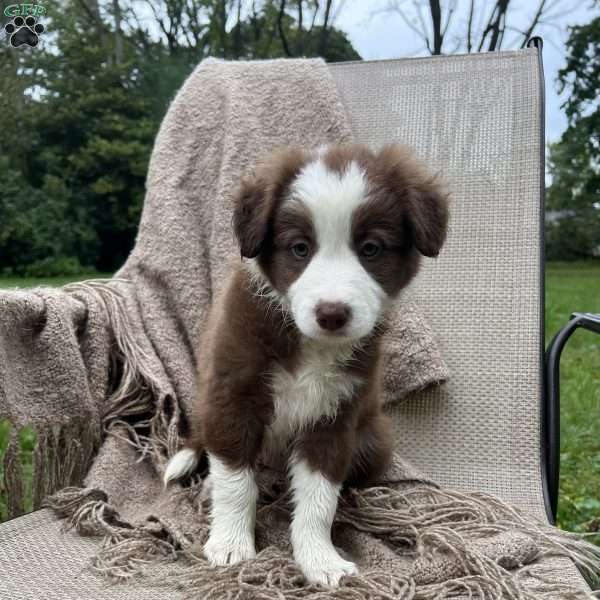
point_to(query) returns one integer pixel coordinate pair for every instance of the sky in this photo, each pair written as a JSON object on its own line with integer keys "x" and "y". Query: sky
{"x": 377, "y": 35}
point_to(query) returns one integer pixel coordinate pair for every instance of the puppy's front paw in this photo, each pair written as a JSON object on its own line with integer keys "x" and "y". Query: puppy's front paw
{"x": 221, "y": 552}
{"x": 324, "y": 566}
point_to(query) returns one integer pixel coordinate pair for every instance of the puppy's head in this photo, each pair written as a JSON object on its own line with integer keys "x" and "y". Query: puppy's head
{"x": 339, "y": 232}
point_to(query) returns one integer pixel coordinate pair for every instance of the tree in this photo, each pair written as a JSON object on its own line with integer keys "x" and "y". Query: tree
{"x": 471, "y": 26}
{"x": 38, "y": 234}
{"x": 94, "y": 132}
{"x": 237, "y": 29}
{"x": 79, "y": 148}
{"x": 78, "y": 115}
{"x": 574, "y": 161}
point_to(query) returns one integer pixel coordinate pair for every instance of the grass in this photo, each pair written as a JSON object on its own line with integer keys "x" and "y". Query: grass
{"x": 27, "y": 282}
{"x": 576, "y": 288}
{"x": 27, "y": 441}
{"x": 569, "y": 287}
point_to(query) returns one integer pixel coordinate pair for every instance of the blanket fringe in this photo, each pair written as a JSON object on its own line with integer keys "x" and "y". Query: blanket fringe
{"x": 137, "y": 386}
{"x": 446, "y": 531}
{"x": 125, "y": 549}
{"x": 61, "y": 456}
{"x": 137, "y": 392}
{"x": 13, "y": 477}
{"x": 428, "y": 518}
{"x": 273, "y": 575}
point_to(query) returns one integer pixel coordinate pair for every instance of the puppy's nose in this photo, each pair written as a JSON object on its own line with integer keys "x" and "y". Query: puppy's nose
{"x": 332, "y": 315}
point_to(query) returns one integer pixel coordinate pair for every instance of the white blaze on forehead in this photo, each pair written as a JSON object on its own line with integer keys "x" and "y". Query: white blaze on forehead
{"x": 334, "y": 273}
{"x": 331, "y": 198}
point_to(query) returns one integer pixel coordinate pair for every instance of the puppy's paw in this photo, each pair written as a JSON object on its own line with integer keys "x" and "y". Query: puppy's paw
{"x": 324, "y": 566}
{"x": 221, "y": 552}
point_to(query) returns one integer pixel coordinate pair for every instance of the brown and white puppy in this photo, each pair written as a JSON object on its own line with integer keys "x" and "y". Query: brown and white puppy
{"x": 291, "y": 356}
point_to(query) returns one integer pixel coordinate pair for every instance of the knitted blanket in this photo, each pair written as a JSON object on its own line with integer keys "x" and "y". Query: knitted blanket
{"x": 104, "y": 371}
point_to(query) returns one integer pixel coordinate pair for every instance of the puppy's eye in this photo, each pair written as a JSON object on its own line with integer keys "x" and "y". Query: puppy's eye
{"x": 300, "y": 249}
{"x": 370, "y": 249}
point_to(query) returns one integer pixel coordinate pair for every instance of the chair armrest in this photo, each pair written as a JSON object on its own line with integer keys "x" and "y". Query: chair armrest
{"x": 551, "y": 406}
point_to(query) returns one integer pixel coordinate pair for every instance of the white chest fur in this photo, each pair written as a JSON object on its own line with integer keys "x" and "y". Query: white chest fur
{"x": 314, "y": 390}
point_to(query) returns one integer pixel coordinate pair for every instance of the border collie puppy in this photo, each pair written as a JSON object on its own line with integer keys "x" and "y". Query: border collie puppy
{"x": 291, "y": 353}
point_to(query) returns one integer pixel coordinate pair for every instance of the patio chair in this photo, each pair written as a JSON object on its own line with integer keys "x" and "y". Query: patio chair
{"x": 493, "y": 427}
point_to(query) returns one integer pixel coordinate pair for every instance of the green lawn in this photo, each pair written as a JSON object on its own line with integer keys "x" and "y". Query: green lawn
{"x": 576, "y": 288}
{"x": 569, "y": 287}
{"x": 25, "y": 282}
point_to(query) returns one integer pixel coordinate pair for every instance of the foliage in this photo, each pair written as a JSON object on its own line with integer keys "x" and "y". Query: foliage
{"x": 78, "y": 115}
{"x": 55, "y": 266}
{"x": 36, "y": 224}
{"x": 570, "y": 287}
{"x": 574, "y": 161}
{"x": 27, "y": 441}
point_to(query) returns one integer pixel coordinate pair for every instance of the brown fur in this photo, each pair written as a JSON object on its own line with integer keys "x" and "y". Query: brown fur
{"x": 247, "y": 334}
{"x": 290, "y": 224}
{"x": 357, "y": 446}
{"x": 260, "y": 196}
{"x": 243, "y": 340}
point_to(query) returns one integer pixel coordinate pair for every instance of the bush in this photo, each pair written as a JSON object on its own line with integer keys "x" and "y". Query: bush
{"x": 573, "y": 237}
{"x": 38, "y": 229}
{"x": 55, "y": 267}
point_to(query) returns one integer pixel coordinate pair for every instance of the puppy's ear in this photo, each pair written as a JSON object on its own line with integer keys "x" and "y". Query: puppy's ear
{"x": 251, "y": 210}
{"x": 259, "y": 195}
{"x": 424, "y": 199}
{"x": 429, "y": 218}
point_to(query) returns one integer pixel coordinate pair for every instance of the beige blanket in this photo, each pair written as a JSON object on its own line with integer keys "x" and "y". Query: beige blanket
{"x": 105, "y": 372}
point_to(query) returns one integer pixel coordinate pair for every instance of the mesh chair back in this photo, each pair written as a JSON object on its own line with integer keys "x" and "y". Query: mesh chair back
{"x": 478, "y": 120}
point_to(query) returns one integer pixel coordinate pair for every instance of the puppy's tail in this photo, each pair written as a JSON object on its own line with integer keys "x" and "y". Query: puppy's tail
{"x": 183, "y": 463}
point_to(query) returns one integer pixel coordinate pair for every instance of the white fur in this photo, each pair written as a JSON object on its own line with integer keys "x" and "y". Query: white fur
{"x": 184, "y": 462}
{"x": 315, "y": 499}
{"x": 334, "y": 274}
{"x": 234, "y": 494}
{"x": 314, "y": 390}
